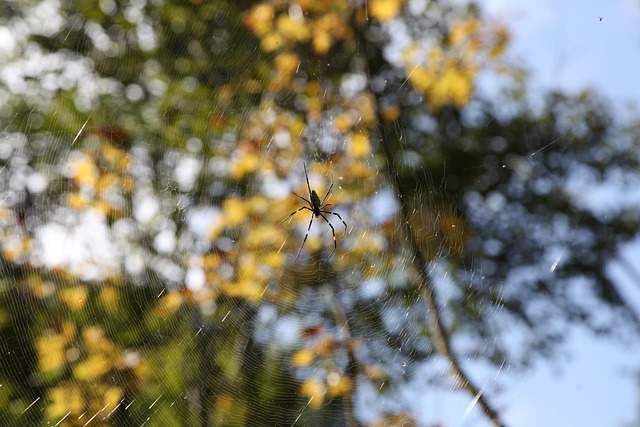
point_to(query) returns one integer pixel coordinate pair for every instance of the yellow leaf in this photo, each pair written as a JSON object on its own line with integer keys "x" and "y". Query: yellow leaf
{"x": 224, "y": 402}
{"x": 169, "y": 304}
{"x": 259, "y": 205}
{"x": 463, "y": 31}
{"x": 444, "y": 79}
{"x": 343, "y": 122}
{"x": 339, "y": 385}
{"x": 321, "y": 42}
{"x": 109, "y": 299}
{"x": 400, "y": 420}
{"x": 211, "y": 261}
{"x": 217, "y": 224}
{"x": 272, "y": 41}
{"x": 371, "y": 243}
{"x": 274, "y": 260}
{"x": 106, "y": 181}
{"x": 315, "y": 391}
{"x": 75, "y": 298}
{"x": 375, "y": 372}
{"x": 95, "y": 339}
{"x": 259, "y": 19}
{"x": 454, "y": 87}
{"x": 326, "y": 347}
{"x": 76, "y": 200}
{"x": 68, "y": 331}
{"x": 103, "y": 207}
{"x": 92, "y": 368}
{"x": 235, "y": 212}
{"x": 143, "y": 370}
{"x": 51, "y": 356}
{"x": 502, "y": 38}
{"x": 246, "y": 288}
{"x": 390, "y": 113}
{"x": 384, "y": 10}
{"x": 247, "y": 163}
{"x": 128, "y": 184}
{"x": 287, "y": 63}
{"x": 112, "y": 397}
{"x": 15, "y": 247}
{"x": 302, "y": 358}
{"x": 325, "y": 29}
{"x": 264, "y": 235}
{"x": 64, "y": 400}
{"x": 84, "y": 171}
{"x": 367, "y": 108}
{"x": 116, "y": 158}
{"x": 359, "y": 146}
{"x": 295, "y": 29}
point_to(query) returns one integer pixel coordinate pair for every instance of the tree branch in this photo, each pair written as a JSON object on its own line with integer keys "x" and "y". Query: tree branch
{"x": 439, "y": 333}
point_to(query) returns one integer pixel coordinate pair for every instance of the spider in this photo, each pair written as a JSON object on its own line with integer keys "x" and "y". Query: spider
{"x": 317, "y": 208}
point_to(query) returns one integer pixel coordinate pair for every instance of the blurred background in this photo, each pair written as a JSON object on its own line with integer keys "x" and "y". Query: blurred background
{"x": 472, "y": 259}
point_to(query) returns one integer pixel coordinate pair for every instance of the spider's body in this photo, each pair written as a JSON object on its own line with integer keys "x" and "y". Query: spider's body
{"x": 315, "y": 203}
{"x": 318, "y": 209}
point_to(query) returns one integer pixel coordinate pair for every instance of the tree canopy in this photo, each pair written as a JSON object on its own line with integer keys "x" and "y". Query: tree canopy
{"x": 148, "y": 254}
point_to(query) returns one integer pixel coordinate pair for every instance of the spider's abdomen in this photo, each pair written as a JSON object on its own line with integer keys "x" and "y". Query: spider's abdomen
{"x": 315, "y": 201}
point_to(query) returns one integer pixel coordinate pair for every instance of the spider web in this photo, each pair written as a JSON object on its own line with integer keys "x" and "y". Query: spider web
{"x": 144, "y": 284}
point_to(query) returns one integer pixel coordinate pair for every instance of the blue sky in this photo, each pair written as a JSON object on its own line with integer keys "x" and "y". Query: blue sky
{"x": 566, "y": 46}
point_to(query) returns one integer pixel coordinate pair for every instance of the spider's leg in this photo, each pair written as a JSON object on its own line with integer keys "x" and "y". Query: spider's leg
{"x": 305, "y": 236}
{"x": 333, "y": 213}
{"x": 325, "y": 196}
{"x": 293, "y": 213}
{"x": 307, "y": 177}
{"x": 333, "y": 232}
{"x": 303, "y": 198}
